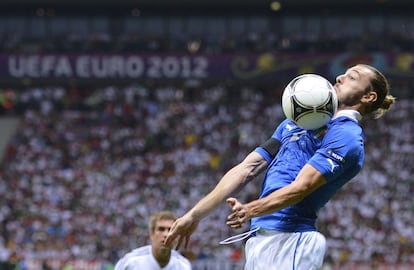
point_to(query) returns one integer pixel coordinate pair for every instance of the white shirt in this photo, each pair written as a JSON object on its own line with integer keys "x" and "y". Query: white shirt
{"x": 142, "y": 259}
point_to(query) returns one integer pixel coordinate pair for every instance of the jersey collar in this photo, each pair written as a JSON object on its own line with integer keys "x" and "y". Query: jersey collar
{"x": 354, "y": 115}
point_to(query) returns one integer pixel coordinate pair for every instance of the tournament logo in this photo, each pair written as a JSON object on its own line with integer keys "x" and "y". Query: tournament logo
{"x": 335, "y": 156}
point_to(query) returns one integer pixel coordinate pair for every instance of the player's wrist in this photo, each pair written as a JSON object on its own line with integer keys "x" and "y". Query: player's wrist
{"x": 195, "y": 216}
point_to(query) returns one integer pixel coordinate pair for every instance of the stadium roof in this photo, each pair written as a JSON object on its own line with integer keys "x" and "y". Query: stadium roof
{"x": 207, "y": 3}
{"x": 206, "y": 7}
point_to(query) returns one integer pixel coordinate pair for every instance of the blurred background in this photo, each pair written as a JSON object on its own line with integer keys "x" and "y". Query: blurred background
{"x": 112, "y": 110}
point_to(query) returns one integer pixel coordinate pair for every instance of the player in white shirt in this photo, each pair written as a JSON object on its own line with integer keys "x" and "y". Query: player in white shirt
{"x": 155, "y": 256}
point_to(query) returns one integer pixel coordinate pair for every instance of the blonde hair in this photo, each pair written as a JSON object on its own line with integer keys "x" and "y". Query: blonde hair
{"x": 162, "y": 215}
{"x": 385, "y": 106}
{"x": 380, "y": 85}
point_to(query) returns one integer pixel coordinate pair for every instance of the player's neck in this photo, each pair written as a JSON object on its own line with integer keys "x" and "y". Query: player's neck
{"x": 162, "y": 257}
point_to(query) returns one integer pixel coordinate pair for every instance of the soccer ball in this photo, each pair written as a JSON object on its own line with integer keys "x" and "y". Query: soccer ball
{"x": 310, "y": 101}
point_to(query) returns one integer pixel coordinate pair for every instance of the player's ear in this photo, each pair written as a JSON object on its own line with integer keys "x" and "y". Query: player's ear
{"x": 369, "y": 97}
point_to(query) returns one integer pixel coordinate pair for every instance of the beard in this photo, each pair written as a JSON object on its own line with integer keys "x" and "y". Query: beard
{"x": 349, "y": 101}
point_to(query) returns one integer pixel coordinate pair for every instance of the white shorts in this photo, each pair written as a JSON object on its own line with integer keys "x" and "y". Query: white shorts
{"x": 285, "y": 251}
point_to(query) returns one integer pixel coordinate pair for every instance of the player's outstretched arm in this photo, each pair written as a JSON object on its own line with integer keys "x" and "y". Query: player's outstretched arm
{"x": 252, "y": 166}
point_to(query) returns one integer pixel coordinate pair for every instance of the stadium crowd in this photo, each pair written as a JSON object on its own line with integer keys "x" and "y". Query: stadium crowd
{"x": 250, "y": 41}
{"x": 86, "y": 168}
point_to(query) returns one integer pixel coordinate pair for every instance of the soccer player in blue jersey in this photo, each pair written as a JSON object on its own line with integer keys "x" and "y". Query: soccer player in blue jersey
{"x": 304, "y": 169}
{"x": 156, "y": 256}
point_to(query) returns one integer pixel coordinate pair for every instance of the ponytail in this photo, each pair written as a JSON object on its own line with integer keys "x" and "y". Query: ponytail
{"x": 385, "y": 106}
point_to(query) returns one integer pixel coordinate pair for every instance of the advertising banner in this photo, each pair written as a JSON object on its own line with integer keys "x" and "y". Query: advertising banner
{"x": 236, "y": 66}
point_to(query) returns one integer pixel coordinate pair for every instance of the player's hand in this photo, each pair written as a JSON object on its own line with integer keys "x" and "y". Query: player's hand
{"x": 182, "y": 229}
{"x": 239, "y": 214}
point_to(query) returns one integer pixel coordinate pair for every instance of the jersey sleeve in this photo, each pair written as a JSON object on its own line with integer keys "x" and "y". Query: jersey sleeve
{"x": 277, "y": 134}
{"x": 341, "y": 154}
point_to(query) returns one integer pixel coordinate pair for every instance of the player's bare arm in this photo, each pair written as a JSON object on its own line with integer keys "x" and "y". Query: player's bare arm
{"x": 237, "y": 177}
{"x": 308, "y": 180}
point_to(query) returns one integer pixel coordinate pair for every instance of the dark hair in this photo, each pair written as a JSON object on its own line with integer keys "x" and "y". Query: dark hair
{"x": 380, "y": 85}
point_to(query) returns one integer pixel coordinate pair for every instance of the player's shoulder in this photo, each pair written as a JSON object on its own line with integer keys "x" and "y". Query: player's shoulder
{"x": 286, "y": 128}
{"x": 132, "y": 256}
{"x": 345, "y": 134}
{"x": 140, "y": 251}
{"x": 181, "y": 259}
{"x": 345, "y": 128}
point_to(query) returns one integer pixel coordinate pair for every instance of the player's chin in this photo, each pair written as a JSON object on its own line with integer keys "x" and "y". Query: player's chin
{"x": 164, "y": 246}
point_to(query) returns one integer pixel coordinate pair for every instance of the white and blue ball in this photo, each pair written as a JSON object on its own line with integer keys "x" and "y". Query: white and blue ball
{"x": 310, "y": 101}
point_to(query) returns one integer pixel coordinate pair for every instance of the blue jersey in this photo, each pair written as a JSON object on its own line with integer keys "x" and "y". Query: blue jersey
{"x": 337, "y": 152}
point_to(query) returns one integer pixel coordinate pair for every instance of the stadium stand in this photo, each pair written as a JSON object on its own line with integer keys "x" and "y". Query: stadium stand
{"x": 91, "y": 159}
